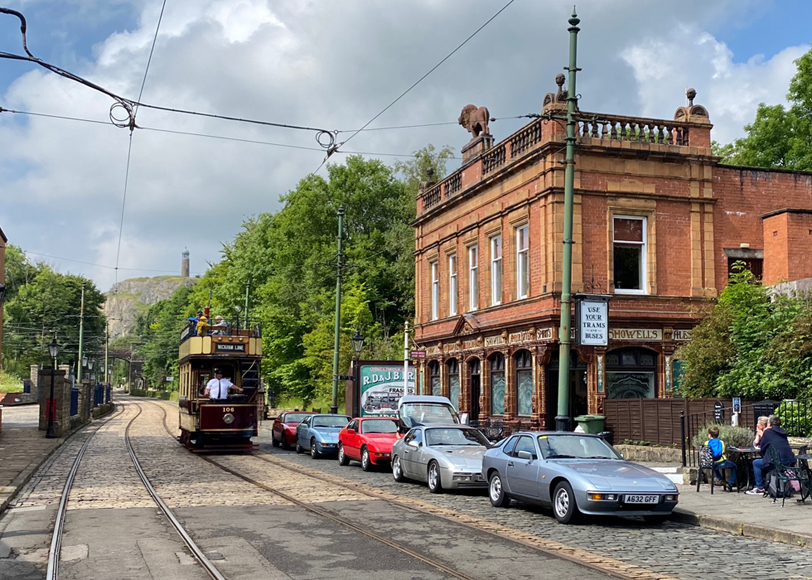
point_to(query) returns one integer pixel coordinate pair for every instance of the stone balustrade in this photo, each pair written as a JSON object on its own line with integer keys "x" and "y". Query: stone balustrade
{"x": 602, "y": 130}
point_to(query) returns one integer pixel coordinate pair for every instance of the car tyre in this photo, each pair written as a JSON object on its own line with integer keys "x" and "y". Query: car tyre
{"x": 342, "y": 457}
{"x": 314, "y": 453}
{"x": 284, "y": 442}
{"x": 656, "y": 519}
{"x": 565, "y": 509}
{"x": 366, "y": 461}
{"x": 397, "y": 470}
{"x": 434, "y": 480}
{"x": 274, "y": 442}
{"x": 299, "y": 448}
{"x": 496, "y": 492}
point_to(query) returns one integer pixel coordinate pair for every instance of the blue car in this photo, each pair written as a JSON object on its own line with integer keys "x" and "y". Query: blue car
{"x": 319, "y": 434}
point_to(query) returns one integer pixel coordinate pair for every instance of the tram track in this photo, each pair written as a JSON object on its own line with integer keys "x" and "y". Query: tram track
{"x": 52, "y": 572}
{"x": 602, "y": 565}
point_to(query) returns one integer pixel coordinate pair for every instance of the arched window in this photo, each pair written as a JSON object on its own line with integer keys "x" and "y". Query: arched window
{"x": 497, "y": 364}
{"x": 630, "y": 373}
{"x": 524, "y": 383}
{"x": 434, "y": 378}
{"x": 453, "y": 368}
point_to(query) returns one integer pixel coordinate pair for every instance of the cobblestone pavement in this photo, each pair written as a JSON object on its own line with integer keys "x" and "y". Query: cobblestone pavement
{"x": 672, "y": 549}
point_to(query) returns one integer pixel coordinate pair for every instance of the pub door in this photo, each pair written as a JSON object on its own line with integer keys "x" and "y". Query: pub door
{"x": 579, "y": 400}
{"x": 473, "y": 369}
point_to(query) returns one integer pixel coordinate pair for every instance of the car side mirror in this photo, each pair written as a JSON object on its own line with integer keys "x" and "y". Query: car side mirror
{"x": 464, "y": 419}
{"x": 525, "y": 455}
{"x": 351, "y": 431}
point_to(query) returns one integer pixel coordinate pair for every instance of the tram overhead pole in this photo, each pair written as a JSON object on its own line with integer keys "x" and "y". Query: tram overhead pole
{"x": 337, "y": 334}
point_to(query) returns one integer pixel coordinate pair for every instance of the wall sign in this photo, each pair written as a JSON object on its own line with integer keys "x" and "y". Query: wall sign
{"x": 592, "y": 320}
{"x": 382, "y": 387}
{"x": 682, "y": 334}
{"x": 642, "y": 334}
{"x": 229, "y": 347}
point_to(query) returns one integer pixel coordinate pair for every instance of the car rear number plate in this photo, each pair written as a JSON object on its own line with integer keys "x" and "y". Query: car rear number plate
{"x": 642, "y": 499}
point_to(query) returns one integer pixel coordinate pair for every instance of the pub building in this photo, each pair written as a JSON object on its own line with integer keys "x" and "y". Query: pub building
{"x": 658, "y": 224}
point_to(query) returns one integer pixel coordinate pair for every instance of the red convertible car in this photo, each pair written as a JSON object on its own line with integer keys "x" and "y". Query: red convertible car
{"x": 368, "y": 440}
{"x": 284, "y": 429}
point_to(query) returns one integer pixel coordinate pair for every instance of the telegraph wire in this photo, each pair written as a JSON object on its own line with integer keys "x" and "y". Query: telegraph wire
{"x": 97, "y": 265}
{"x": 418, "y": 81}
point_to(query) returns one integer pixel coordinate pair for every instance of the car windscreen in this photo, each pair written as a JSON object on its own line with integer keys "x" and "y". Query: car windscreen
{"x": 575, "y": 447}
{"x": 330, "y": 421}
{"x": 455, "y": 437}
{"x": 416, "y": 414}
{"x": 379, "y": 426}
{"x": 295, "y": 417}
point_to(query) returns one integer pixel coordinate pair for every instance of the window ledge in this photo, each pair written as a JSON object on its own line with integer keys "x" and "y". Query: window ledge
{"x": 633, "y": 292}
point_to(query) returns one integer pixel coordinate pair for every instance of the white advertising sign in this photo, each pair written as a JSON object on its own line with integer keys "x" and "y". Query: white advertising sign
{"x": 593, "y": 326}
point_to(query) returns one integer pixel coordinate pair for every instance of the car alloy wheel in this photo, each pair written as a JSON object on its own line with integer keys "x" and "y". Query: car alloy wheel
{"x": 366, "y": 463}
{"x": 397, "y": 469}
{"x": 299, "y": 448}
{"x": 435, "y": 484}
{"x": 342, "y": 457}
{"x": 314, "y": 453}
{"x": 496, "y": 493}
{"x": 564, "y": 507}
{"x": 274, "y": 442}
{"x": 284, "y": 441}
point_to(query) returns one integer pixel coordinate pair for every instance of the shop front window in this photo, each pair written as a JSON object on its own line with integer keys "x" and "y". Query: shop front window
{"x": 497, "y": 362}
{"x": 434, "y": 379}
{"x": 454, "y": 382}
{"x": 631, "y": 374}
{"x": 524, "y": 383}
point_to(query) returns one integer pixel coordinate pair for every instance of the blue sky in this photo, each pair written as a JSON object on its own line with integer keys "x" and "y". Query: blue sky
{"x": 332, "y": 64}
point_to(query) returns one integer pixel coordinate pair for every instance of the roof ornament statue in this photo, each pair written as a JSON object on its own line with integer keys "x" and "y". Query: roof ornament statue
{"x": 691, "y": 112}
{"x": 475, "y": 120}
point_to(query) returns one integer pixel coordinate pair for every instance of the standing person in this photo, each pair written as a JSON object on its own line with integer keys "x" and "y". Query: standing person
{"x": 218, "y": 388}
{"x": 720, "y": 460}
{"x": 194, "y": 320}
{"x": 774, "y": 437}
{"x": 760, "y": 427}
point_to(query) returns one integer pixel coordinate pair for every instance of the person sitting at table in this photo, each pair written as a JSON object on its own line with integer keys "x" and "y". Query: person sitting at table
{"x": 720, "y": 460}
{"x": 774, "y": 437}
{"x": 761, "y": 425}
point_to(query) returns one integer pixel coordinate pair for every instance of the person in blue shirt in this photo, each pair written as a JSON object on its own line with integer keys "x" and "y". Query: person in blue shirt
{"x": 720, "y": 460}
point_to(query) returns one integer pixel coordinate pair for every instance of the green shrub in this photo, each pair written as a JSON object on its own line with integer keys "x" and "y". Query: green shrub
{"x": 732, "y": 436}
{"x": 796, "y": 417}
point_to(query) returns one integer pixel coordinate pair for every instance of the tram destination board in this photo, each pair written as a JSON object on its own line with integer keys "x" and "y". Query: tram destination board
{"x": 229, "y": 347}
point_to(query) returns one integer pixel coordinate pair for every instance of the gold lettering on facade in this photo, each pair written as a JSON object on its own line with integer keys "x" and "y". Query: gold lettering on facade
{"x": 519, "y": 337}
{"x": 681, "y": 334}
{"x": 497, "y": 340}
{"x": 636, "y": 334}
{"x": 544, "y": 334}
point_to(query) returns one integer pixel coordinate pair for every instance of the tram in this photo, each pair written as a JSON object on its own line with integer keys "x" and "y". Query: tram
{"x": 226, "y": 425}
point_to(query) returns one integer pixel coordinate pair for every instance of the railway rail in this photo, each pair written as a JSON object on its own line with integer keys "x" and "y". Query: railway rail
{"x": 606, "y": 566}
{"x": 52, "y": 572}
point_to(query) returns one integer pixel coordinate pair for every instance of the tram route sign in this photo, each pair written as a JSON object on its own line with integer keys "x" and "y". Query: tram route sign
{"x": 229, "y": 347}
{"x": 592, "y": 319}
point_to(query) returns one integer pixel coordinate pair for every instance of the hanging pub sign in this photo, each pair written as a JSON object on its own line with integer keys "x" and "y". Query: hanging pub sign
{"x": 592, "y": 319}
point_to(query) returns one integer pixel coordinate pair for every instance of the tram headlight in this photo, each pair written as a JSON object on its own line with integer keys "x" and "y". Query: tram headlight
{"x": 228, "y": 418}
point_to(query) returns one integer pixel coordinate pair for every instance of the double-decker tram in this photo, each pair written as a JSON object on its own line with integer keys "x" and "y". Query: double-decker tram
{"x": 226, "y": 424}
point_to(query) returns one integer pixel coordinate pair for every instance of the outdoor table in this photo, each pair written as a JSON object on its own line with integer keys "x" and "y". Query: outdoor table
{"x": 746, "y": 457}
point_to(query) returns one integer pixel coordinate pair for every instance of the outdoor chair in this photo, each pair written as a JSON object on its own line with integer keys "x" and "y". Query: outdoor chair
{"x": 705, "y": 464}
{"x": 787, "y": 474}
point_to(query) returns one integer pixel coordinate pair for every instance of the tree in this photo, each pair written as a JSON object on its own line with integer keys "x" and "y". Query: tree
{"x": 779, "y": 137}
{"x": 160, "y": 328}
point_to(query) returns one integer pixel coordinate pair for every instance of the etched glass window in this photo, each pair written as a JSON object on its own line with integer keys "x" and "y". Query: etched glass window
{"x": 454, "y": 382}
{"x": 434, "y": 379}
{"x": 524, "y": 383}
{"x": 631, "y": 374}
{"x": 497, "y": 363}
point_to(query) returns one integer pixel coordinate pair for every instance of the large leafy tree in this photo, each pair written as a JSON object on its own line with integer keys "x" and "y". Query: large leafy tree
{"x": 779, "y": 136}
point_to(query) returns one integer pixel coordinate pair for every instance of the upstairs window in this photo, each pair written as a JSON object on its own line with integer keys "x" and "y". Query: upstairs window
{"x": 522, "y": 261}
{"x": 452, "y": 284}
{"x": 473, "y": 278}
{"x": 496, "y": 270}
{"x": 630, "y": 255}
{"x": 435, "y": 291}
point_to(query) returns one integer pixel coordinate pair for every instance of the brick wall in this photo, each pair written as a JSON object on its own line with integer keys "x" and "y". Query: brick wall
{"x": 787, "y": 246}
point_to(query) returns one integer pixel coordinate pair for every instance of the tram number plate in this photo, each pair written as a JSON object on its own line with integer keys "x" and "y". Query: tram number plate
{"x": 642, "y": 499}
{"x": 228, "y": 409}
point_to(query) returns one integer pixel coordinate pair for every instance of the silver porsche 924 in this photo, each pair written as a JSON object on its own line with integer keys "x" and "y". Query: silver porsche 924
{"x": 575, "y": 474}
{"x": 444, "y": 456}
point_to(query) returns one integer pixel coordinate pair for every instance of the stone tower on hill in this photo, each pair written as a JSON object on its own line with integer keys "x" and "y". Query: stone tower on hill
{"x": 184, "y": 263}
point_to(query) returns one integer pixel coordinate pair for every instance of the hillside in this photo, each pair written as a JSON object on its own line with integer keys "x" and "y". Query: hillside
{"x": 127, "y": 299}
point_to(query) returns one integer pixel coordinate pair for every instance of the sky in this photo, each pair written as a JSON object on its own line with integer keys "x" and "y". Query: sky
{"x": 330, "y": 64}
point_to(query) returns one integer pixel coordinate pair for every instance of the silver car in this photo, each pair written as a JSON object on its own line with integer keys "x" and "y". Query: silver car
{"x": 444, "y": 456}
{"x": 575, "y": 474}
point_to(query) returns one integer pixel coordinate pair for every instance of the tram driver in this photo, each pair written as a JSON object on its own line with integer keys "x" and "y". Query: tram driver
{"x": 218, "y": 388}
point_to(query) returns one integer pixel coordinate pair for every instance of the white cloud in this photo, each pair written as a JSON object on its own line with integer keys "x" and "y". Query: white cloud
{"x": 331, "y": 65}
{"x": 690, "y": 57}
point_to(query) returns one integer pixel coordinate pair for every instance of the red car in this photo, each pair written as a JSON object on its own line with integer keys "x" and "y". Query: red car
{"x": 284, "y": 429}
{"x": 368, "y": 440}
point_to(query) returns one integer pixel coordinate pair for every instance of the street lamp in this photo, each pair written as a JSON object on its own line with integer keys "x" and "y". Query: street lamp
{"x": 357, "y": 343}
{"x": 53, "y": 350}
{"x": 84, "y": 361}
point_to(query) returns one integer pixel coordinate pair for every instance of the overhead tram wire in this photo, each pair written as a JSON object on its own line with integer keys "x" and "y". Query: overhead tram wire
{"x": 418, "y": 81}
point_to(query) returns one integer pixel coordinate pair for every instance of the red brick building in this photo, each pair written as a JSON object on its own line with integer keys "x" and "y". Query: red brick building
{"x": 657, "y": 224}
